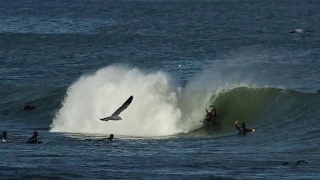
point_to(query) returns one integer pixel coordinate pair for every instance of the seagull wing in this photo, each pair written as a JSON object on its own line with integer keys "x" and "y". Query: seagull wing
{"x": 123, "y": 107}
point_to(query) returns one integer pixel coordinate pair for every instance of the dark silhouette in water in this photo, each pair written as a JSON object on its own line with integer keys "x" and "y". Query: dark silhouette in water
{"x": 243, "y": 130}
{"x": 34, "y": 139}
{"x": 110, "y": 138}
{"x": 211, "y": 119}
{"x": 29, "y": 108}
{"x": 302, "y": 31}
{"x": 296, "y": 164}
{"x": 4, "y": 136}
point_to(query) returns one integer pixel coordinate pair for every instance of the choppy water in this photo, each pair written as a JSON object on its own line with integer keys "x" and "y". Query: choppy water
{"x": 77, "y": 61}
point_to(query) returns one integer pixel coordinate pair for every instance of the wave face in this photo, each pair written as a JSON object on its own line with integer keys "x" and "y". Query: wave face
{"x": 256, "y": 105}
{"x": 159, "y": 109}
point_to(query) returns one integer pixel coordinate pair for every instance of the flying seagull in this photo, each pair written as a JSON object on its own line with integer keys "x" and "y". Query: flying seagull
{"x": 115, "y": 116}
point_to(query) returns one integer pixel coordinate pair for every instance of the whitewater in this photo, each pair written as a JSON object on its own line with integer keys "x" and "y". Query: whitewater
{"x": 153, "y": 112}
{"x": 75, "y": 62}
{"x": 159, "y": 107}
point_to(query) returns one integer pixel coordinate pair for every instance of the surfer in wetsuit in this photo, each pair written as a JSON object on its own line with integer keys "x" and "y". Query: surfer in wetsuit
{"x": 28, "y": 108}
{"x": 296, "y": 164}
{"x": 110, "y": 137}
{"x": 4, "y": 136}
{"x": 302, "y": 31}
{"x": 34, "y": 139}
{"x": 243, "y": 130}
{"x": 212, "y": 117}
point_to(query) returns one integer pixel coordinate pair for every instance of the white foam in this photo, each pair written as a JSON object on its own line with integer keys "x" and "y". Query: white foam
{"x": 157, "y": 109}
{"x": 153, "y": 111}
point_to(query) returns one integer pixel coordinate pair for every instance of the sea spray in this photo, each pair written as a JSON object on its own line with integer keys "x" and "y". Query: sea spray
{"x": 158, "y": 107}
{"x": 153, "y": 111}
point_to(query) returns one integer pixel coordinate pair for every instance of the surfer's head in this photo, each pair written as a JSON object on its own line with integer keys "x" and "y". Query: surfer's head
{"x": 111, "y": 137}
{"x": 4, "y": 135}
{"x": 35, "y": 134}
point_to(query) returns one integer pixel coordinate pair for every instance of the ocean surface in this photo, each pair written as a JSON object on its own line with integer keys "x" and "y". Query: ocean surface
{"x": 78, "y": 60}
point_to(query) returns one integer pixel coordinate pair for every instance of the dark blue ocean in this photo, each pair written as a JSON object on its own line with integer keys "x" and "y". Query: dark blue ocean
{"x": 77, "y": 61}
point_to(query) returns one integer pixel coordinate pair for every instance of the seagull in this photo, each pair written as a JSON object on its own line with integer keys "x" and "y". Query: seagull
{"x": 115, "y": 116}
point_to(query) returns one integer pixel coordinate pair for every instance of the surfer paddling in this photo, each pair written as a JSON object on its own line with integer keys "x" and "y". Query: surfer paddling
{"x": 110, "y": 138}
{"x": 28, "y": 108}
{"x": 296, "y": 164}
{"x": 302, "y": 31}
{"x": 4, "y": 136}
{"x": 34, "y": 139}
{"x": 242, "y": 130}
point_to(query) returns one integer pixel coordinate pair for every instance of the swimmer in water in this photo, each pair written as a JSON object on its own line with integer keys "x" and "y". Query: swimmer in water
{"x": 243, "y": 130}
{"x": 110, "y": 138}
{"x": 28, "y": 108}
{"x": 302, "y": 31}
{"x": 34, "y": 139}
{"x": 4, "y": 136}
{"x": 296, "y": 164}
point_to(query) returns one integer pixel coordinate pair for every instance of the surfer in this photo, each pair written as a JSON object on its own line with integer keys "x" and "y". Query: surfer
{"x": 28, "y": 108}
{"x": 34, "y": 138}
{"x": 110, "y": 137}
{"x": 302, "y": 31}
{"x": 4, "y": 136}
{"x": 296, "y": 164}
{"x": 212, "y": 118}
{"x": 243, "y": 130}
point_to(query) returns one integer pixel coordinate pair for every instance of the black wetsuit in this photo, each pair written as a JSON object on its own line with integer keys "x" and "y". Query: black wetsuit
{"x": 29, "y": 108}
{"x": 215, "y": 120}
{"x": 208, "y": 119}
{"x": 212, "y": 119}
{"x": 4, "y": 136}
{"x": 110, "y": 137}
{"x": 243, "y": 129}
{"x": 33, "y": 139}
